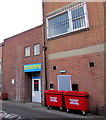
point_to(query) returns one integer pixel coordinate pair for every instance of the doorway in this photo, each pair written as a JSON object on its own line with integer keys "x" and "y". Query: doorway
{"x": 64, "y": 82}
{"x": 36, "y": 90}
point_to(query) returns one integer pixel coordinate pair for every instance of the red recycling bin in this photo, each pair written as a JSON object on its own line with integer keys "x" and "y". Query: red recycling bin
{"x": 4, "y": 96}
{"x": 76, "y": 100}
{"x": 54, "y": 98}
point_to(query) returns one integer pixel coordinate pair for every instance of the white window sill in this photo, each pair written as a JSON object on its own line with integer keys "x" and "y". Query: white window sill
{"x": 70, "y": 32}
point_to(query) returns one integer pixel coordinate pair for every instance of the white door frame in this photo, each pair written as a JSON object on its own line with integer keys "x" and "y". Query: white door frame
{"x": 36, "y": 95}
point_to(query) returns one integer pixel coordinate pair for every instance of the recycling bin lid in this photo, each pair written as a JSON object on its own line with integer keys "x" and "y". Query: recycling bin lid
{"x": 56, "y": 92}
{"x": 4, "y": 93}
{"x": 75, "y": 93}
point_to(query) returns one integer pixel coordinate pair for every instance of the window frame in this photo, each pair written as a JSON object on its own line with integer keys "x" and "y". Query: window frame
{"x": 27, "y": 52}
{"x": 34, "y": 49}
{"x": 70, "y": 30}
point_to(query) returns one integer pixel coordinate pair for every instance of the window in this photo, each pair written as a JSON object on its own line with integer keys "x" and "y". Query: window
{"x": 37, "y": 49}
{"x": 78, "y": 17}
{"x": 27, "y": 51}
{"x": 58, "y": 24}
{"x": 72, "y": 19}
{"x": 36, "y": 85}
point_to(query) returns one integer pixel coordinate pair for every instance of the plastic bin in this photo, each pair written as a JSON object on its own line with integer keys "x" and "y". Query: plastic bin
{"x": 76, "y": 100}
{"x": 4, "y": 96}
{"x": 54, "y": 98}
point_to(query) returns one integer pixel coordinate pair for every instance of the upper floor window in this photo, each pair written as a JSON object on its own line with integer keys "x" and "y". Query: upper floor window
{"x": 72, "y": 19}
{"x": 37, "y": 49}
{"x": 27, "y": 51}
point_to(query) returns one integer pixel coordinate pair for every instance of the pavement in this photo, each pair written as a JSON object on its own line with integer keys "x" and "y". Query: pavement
{"x": 39, "y": 107}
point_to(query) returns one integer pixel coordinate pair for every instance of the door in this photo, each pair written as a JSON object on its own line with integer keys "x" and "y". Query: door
{"x": 64, "y": 82}
{"x": 36, "y": 90}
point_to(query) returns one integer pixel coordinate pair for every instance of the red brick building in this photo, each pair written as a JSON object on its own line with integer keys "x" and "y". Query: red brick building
{"x": 74, "y": 36}
{"x": 0, "y": 65}
{"x": 23, "y": 66}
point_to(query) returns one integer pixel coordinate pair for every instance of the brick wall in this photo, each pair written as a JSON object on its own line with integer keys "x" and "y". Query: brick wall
{"x": 1, "y": 51}
{"x": 95, "y": 34}
{"x": 90, "y": 79}
{"x": 14, "y": 61}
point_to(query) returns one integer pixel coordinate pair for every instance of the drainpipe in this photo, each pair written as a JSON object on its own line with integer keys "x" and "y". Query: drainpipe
{"x": 44, "y": 54}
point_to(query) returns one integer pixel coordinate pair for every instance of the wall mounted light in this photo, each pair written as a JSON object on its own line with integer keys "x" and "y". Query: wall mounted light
{"x": 63, "y": 71}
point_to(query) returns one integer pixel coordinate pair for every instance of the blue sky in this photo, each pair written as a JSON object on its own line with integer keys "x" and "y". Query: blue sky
{"x": 17, "y": 16}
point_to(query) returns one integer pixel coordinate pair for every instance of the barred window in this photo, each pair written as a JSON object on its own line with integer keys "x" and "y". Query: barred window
{"x": 78, "y": 18}
{"x": 72, "y": 19}
{"x": 58, "y": 24}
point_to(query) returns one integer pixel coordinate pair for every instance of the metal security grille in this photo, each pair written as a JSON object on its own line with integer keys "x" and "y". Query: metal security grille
{"x": 72, "y": 19}
{"x": 78, "y": 17}
{"x": 64, "y": 82}
{"x": 58, "y": 24}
